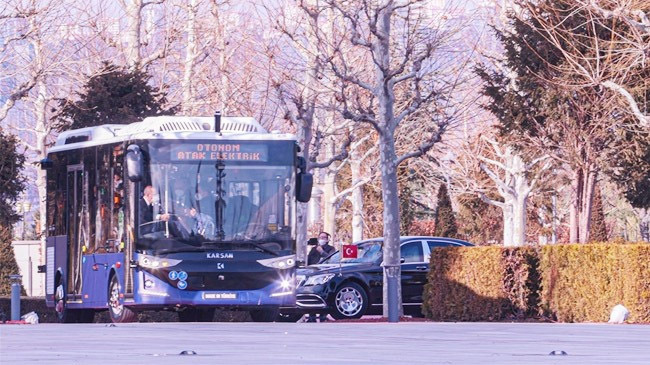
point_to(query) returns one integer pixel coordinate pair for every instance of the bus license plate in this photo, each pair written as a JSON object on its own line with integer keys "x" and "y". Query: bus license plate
{"x": 219, "y": 296}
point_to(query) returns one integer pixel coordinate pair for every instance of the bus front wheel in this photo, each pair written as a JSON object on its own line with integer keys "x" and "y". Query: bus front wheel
{"x": 118, "y": 312}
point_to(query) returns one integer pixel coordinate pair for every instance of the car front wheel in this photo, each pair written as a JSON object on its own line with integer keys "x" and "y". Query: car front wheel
{"x": 350, "y": 301}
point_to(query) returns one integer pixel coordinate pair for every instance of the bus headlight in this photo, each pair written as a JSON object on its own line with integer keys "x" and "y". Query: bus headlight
{"x": 318, "y": 279}
{"x": 152, "y": 262}
{"x": 285, "y": 284}
{"x": 284, "y": 262}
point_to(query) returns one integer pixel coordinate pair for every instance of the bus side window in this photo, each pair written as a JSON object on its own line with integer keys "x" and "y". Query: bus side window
{"x": 117, "y": 186}
{"x": 104, "y": 197}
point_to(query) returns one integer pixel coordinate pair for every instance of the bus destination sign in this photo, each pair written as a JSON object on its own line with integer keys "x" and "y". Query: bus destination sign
{"x": 219, "y": 151}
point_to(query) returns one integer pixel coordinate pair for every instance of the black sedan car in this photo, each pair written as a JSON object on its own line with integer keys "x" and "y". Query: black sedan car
{"x": 350, "y": 288}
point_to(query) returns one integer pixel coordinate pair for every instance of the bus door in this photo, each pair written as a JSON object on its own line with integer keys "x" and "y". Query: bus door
{"x": 76, "y": 228}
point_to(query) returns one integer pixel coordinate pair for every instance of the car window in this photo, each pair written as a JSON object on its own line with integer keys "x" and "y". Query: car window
{"x": 434, "y": 244}
{"x": 412, "y": 252}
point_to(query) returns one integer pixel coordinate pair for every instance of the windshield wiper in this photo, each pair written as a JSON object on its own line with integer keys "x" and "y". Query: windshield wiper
{"x": 252, "y": 243}
{"x": 177, "y": 250}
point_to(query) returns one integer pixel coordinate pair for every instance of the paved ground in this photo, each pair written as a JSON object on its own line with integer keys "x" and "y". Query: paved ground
{"x": 325, "y": 343}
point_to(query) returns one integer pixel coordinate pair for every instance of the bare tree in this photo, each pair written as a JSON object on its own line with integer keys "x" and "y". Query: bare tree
{"x": 383, "y": 61}
{"x": 510, "y": 174}
{"x": 618, "y": 63}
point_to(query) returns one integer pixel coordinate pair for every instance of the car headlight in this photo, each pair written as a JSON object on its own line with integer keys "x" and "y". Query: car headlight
{"x": 318, "y": 279}
{"x": 152, "y": 262}
{"x": 283, "y": 262}
{"x": 300, "y": 279}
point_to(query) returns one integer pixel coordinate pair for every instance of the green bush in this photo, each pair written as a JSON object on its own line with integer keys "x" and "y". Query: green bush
{"x": 571, "y": 283}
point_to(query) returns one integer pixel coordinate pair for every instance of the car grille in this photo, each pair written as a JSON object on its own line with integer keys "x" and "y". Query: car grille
{"x": 310, "y": 301}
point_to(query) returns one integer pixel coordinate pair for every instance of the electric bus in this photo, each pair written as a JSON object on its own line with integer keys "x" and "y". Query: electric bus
{"x": 186, "y": 214}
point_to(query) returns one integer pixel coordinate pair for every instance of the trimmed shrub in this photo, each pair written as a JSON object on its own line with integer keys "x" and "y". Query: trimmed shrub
{"x": 582, "y": 283}
{"x": 571, "y": 283}
{"x": 465, "y": 284}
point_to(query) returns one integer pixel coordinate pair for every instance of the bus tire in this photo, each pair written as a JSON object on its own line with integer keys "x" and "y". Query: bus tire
{"x": 264, "y": 315}
{"x": 116, "y": 309}
{"x": 63, "y": 313}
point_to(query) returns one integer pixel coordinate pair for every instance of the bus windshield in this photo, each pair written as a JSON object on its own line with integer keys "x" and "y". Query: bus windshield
{"x": 206, "y": 203}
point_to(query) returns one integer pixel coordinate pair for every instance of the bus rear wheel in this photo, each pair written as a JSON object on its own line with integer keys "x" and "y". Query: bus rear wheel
{"x": 63, "y": 313}
{"x": 118, "y": 312}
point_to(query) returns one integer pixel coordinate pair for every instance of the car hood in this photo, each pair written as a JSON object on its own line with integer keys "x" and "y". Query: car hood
{"x": 333, "y": 268}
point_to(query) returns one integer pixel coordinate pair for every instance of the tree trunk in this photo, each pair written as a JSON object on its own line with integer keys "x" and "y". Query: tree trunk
{"x": 574, "y": 208}
{"x": 508, "y": 229}
{"x": 519, "y": 220}
{"x": 190, "y": 58}
{"x": 587, "y": 202}
{"x": 304, "y": 139}
{"x": 40, "y": 110}
{"x": 357, "y": 198}
{"x": 329, "y": 202}
{"x": 132, "y": 34}
{"x": 391, "y": 249}
{"x": 644, "y": 223}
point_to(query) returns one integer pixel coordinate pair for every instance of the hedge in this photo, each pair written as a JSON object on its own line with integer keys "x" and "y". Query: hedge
{"x": 567, "y": 283}
{"x": 480, "y": 283}
{"x": 583, "y": 282}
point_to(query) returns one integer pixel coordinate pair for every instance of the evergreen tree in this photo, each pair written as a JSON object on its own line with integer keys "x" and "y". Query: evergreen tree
{"x": 598, "y": 229}
{"x": 8, "y": 265}
{"x": 541, "y": 111}
{"x": 12, "y": 183}
{"x": 113, "y": 96}
{"x": 480, "y": 223}
{"x": 445, "y": 219}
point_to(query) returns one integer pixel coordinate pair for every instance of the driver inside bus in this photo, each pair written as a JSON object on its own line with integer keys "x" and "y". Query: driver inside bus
{"x": 146, "y": 207}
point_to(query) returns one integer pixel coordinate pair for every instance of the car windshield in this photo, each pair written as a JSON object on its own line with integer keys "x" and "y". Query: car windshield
{"x": 368, "y": 252}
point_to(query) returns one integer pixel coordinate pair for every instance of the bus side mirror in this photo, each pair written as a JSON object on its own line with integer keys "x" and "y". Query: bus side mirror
{"x": 134, "y": 163}
{"x": 304, "y": 183}
{"x": 46, "y": 164}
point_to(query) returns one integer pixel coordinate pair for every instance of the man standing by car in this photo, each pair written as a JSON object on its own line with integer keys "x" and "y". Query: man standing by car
{"x": 321, "y": 250}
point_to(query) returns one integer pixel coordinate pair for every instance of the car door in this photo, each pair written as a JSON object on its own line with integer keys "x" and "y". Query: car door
{"x": 414, "y": 272}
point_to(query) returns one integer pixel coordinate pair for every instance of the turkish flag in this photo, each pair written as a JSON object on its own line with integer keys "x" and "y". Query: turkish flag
{"x": 350, "y": 251}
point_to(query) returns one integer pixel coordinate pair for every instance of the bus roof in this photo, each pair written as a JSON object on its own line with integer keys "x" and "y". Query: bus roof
{"x": 167, "y": 127}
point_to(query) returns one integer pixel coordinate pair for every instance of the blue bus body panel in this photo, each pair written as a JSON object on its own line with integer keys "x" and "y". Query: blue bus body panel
{"x": 96, "y": 269}
{"x": 163, "y": 294}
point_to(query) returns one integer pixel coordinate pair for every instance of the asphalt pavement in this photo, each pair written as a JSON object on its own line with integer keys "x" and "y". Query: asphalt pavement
{"x": 325, "y": 343}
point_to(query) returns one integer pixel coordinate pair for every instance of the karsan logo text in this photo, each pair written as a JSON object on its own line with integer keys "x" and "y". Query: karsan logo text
{"x": 220, "y": 255}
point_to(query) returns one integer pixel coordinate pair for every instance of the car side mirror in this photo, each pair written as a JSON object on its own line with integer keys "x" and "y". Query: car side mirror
{"x": 402, "y": 260}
